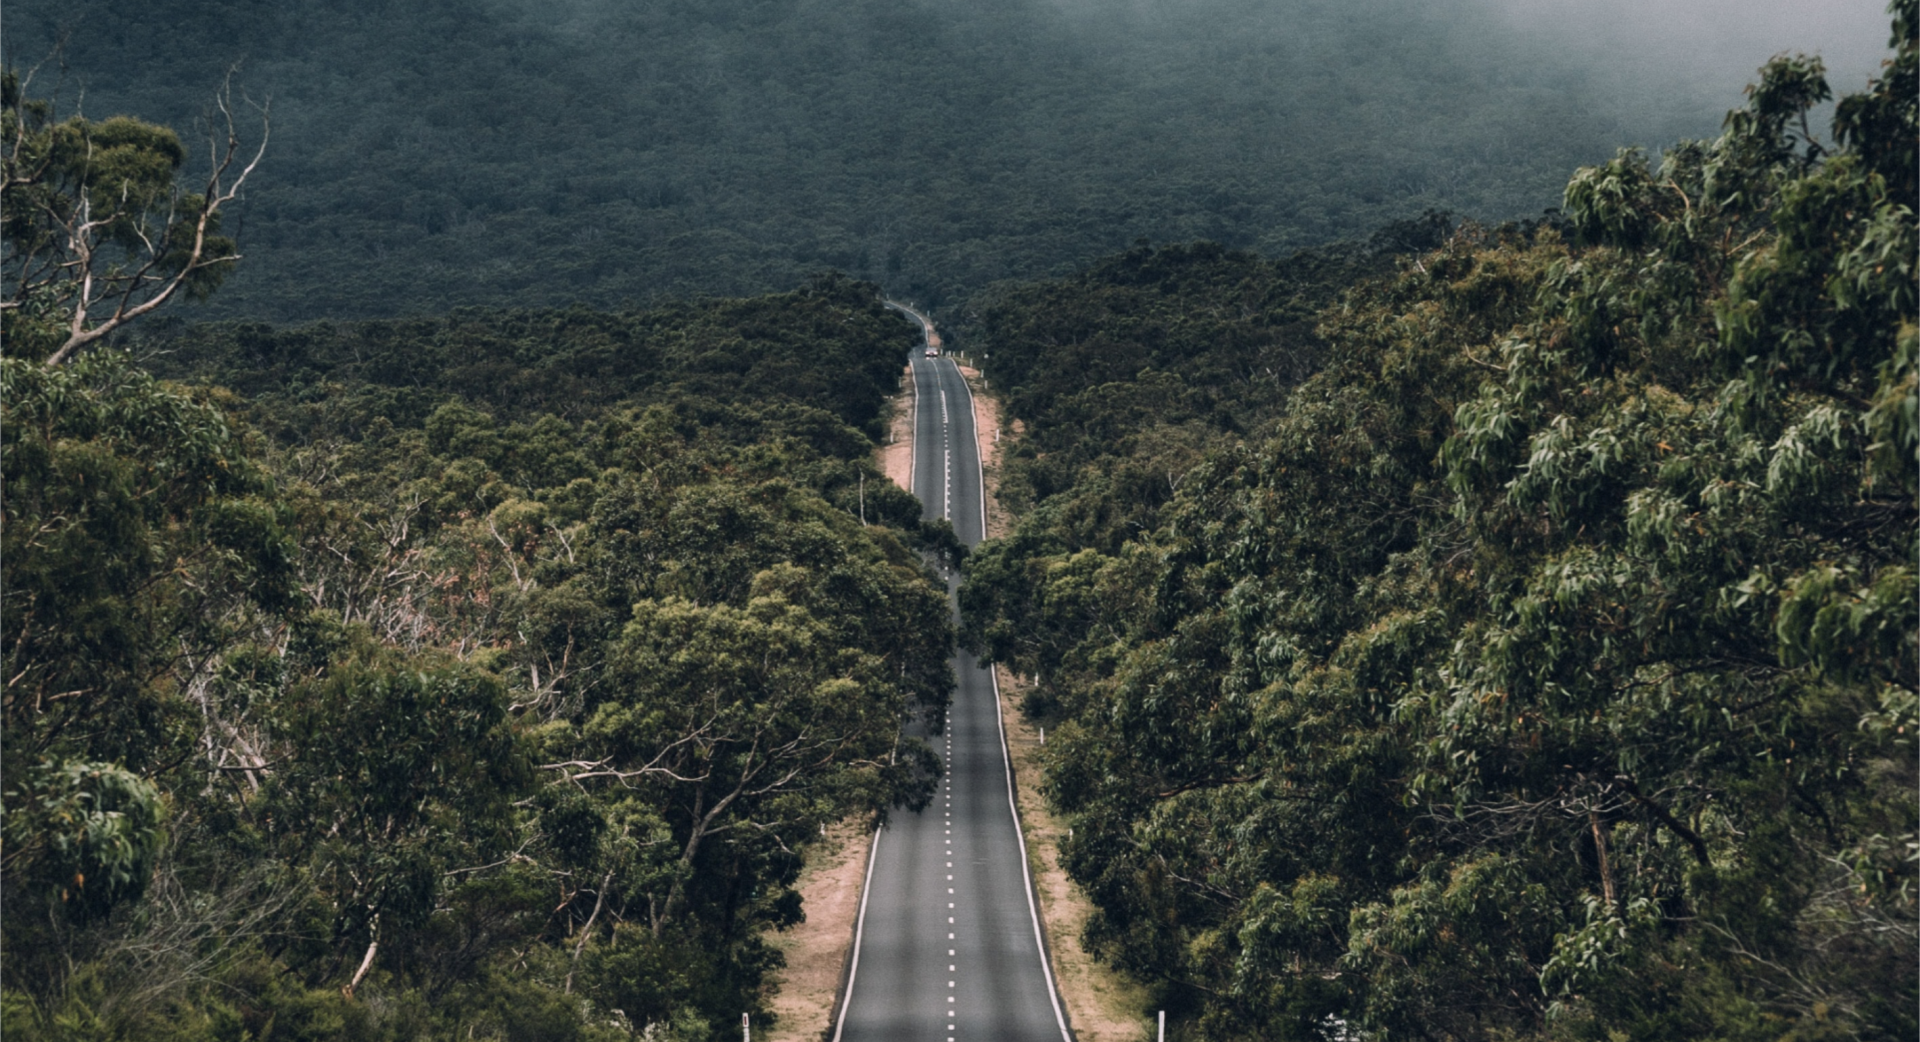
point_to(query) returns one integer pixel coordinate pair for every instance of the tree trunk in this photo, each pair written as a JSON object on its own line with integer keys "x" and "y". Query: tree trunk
{"x": 366, "y": 961}
{"x": 1606, "y": 867}
{"x": 599, "y": 899}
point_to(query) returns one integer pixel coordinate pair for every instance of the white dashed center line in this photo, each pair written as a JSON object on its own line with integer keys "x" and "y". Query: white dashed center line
{"x": 947, "y": 510}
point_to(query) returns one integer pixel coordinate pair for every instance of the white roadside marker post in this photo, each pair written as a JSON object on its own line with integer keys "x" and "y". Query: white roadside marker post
{"x": 1163, "y": 1026}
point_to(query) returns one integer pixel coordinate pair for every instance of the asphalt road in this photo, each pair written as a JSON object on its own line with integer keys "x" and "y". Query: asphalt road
{"x": 948, "y": 945}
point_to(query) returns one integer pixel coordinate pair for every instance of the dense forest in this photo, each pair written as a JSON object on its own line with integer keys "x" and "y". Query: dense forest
{"x": 1446, "y": 629}
{"x": 427, "y": 155}
{"x": 348, "y": 668}
{"x": 1543, "y": 664}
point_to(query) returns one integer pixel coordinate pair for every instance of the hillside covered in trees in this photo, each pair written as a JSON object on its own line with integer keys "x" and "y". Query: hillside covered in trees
{"x": 1543, "y": 664}
{"x": 428, "y": 155}
{"x": 1454, "y": 631}
{"x": 486, "y": 674}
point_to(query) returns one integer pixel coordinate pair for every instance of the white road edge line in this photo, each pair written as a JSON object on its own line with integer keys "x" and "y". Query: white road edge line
{"x": 946, "y": 459}
{"x": 973, "y": 409}
{"x": 1006, "y": 756}
{"x": 859, "y": 930}
{"x": 1039, "y": 939}
{"x": 1006, "y": 759}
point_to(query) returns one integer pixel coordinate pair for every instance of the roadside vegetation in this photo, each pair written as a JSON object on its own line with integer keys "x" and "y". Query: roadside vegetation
{"x": 478, "y": 677}
{"x": 1517, "y": 643}
{"x": 1465, "y": 632}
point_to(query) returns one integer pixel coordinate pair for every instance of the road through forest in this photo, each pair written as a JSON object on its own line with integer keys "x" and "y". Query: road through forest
{"x": 948, "y": 946}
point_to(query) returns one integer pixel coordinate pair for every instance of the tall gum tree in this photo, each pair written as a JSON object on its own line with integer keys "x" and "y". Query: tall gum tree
{"x": 98, "y": 230}
{"x": 1547, "y": 671}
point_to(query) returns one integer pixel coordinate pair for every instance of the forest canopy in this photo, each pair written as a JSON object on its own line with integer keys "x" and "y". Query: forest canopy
{"x": 1543, "y": 664}
{"x": 501, "y": 153}
{"x": 488, "y": 673}
{"x": 1454, "y": 630}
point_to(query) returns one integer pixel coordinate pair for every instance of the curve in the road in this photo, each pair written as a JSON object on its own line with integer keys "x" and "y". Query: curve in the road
{"x": 948, "y": 945}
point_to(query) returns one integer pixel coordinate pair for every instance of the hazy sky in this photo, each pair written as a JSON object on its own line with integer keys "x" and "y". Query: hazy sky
{"x": 1686, "y": 59}
{"x": 1716, "y": 44}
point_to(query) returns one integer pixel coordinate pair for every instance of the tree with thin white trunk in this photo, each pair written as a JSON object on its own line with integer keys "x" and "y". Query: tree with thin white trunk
{"x": 96, "y": 228}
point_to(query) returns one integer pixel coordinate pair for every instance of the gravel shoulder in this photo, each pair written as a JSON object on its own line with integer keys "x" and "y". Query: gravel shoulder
{"x": 896, "y": 455}
{"x": 1103, "y": 1004}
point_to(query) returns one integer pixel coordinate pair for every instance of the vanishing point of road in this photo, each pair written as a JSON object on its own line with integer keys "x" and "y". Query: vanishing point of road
{"x": 948, "y": 946}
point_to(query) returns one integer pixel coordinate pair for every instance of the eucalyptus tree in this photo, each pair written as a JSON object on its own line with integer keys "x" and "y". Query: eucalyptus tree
{"x": 1548, "y": 670}
{"x": 97, "y": 229}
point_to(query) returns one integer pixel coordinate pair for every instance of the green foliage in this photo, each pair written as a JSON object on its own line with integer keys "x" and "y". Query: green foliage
{"x": 497, "y": 699}
{"x": 1543, "y": 666}
{"x": 85, "y": 835}
{"x": 393, "y": 773}
{"x": 140, "y": 542}
{"x": 94, "y": 229}
{"x": 1514, "y": 638}
{"x": 1125, "y": 379}
{"x": 469, "y": 153}
{"x": 829, "y": 345}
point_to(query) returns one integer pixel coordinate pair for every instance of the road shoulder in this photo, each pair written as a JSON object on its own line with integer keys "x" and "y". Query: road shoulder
{"x": 1103, "y": 1005}
{"x": 807, "y": 989}
{"x": 895, "y": 455}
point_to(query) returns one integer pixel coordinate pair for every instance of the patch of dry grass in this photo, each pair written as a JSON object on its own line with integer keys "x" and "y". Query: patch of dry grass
{"x": 817, "y": 949}
{"x": 896, "y": 456}
{"x": 1103, "y": 1004}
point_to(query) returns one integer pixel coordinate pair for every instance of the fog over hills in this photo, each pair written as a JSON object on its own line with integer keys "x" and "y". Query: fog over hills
{"x": 499, "y": 151}
{"x": 1454, "y": 468}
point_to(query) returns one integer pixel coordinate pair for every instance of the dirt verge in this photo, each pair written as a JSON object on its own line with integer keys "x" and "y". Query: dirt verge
{"x": 1103, "y": 1005}
{"x": 816, "y": 950}
{"x": 896, "y": 455}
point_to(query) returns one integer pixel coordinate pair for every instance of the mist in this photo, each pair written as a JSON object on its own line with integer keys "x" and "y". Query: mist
{"x": 1705, "y": 51}
{"x": 1659, "y": 68}
{"x": 511, "y": 152}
